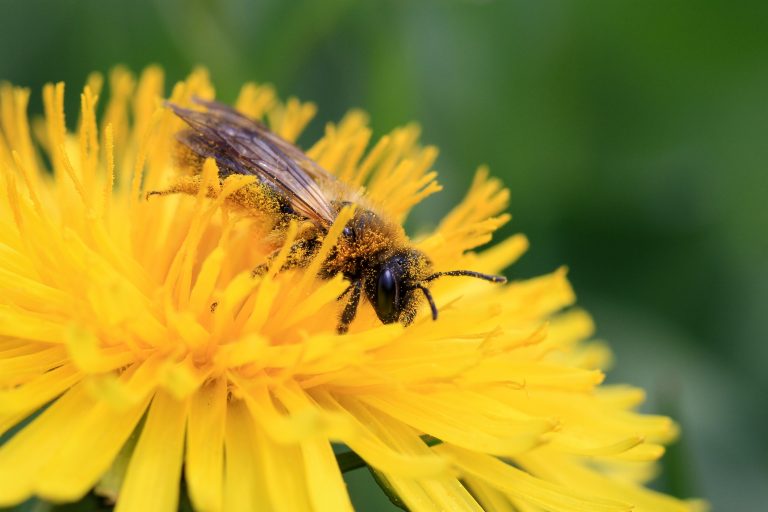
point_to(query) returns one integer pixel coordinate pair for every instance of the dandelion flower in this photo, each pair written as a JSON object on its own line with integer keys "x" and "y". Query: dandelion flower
{"x": 117, "y": 374}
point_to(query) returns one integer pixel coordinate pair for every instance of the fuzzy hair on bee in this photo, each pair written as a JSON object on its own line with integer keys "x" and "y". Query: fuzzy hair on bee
{"x": 373, "y": 253}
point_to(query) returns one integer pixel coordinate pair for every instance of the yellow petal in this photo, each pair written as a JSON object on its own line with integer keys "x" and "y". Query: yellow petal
{"x": 25, "y": 453}
{"x": 445, "y": 491}
{"x": 283, "y": 428}
{"x": 326, "y": 486}
{"x": 281, "y": 464}
{"x": 523, "y": 486}
{"x": 366, "y": 441}
{"x": 17, "y": 368}
{"x": 17, "y": 323}
{"x": 204, "y": 467}
{"x": 154, "y": 473}
{"x": 89, "y": 450}
{"x": 489, "y": 435}
{"x": 568, "y": 472}
{"x": 488, "y": 497}
{"x": 244, "y": 486}
{"x": 39, "y": 390}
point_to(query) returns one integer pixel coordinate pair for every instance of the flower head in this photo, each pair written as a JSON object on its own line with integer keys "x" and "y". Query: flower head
{"x": 110, "y": 345}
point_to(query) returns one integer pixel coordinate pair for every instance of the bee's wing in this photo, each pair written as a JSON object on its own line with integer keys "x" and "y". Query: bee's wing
{"x": 307, "y": 164}
{"x": 243, "y": 146}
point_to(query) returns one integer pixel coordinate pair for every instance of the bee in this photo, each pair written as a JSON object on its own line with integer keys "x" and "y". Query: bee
{"x": 373, "y": 254}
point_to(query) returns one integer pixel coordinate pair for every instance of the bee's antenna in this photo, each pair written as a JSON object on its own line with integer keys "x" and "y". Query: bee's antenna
{"x": 429, "y": 299}
{"x": 468, "y": 273}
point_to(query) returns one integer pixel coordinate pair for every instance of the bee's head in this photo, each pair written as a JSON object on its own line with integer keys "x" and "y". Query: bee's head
{"x": 393, "y": 286}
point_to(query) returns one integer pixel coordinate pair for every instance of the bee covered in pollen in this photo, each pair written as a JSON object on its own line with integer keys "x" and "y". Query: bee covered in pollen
{"x": 372, "y": 253}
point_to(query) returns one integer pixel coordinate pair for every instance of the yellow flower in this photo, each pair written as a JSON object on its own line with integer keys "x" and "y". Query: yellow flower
{"x": 106, "y": 327}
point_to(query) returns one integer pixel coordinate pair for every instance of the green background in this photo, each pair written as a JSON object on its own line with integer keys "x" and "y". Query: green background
{"x": 632, "y": 135}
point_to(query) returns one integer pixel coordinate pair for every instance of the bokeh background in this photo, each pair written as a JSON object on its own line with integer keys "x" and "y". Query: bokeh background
{"x": 633, "y": 135}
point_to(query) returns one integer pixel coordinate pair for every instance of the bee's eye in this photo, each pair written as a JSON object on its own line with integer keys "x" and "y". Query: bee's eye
{"x": 386, "y": 296}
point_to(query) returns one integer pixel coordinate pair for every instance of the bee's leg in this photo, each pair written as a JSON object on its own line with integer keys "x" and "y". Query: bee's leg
{"x": 299, "y": 255}
{"x": 184, "y": 185}
{"x": 261, "y": 269}
{"x": 350, "y": 310}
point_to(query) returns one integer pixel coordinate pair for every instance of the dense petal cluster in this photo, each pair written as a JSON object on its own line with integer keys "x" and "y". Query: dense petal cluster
{"x": 116, "y": 372}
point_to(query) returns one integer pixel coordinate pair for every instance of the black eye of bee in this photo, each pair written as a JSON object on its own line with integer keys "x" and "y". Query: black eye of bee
{"x": 387, "y": 295}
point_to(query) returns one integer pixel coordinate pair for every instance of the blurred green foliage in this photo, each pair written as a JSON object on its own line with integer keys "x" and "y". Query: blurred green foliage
{"x": 632, "y": 135}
